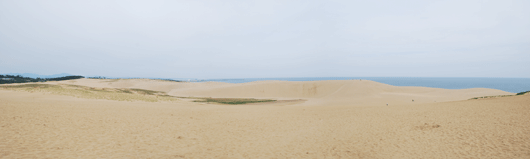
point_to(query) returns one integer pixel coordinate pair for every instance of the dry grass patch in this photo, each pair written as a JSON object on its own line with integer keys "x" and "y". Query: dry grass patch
{"x": 428, "y": 126}
{"x": 231, "y": 101}
{"x": 518, "y": 94}
{"x": 491, "y": 97}
{"x": 119, "y": 94}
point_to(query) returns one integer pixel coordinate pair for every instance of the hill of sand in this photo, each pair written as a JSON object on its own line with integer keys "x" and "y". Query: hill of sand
{"x": 337, "y": 119}
{"x": 333, "y": 92}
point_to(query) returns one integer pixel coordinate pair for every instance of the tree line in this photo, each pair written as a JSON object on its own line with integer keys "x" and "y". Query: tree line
{"x": 5, "y": 79}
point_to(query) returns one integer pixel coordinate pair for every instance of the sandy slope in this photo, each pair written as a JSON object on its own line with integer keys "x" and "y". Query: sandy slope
{"x": 340, "y": 119}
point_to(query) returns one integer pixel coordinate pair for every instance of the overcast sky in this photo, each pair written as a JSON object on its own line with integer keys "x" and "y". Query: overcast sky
{"x": 247, "y": 39}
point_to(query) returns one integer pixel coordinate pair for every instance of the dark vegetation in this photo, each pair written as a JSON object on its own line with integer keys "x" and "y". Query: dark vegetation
{"x": 64, "y": 78}
{"x": 522, "y": 93}
{"x": 5, "y": 79}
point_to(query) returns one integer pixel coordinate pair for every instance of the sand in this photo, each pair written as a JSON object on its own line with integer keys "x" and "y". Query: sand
{"x": 335, "y": 119}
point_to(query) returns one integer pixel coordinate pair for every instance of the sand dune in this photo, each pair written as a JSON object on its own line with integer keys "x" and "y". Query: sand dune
{"x": 341, "y": 92}
{"x": 338, "y": 119}
{"x": 351, "y": 92}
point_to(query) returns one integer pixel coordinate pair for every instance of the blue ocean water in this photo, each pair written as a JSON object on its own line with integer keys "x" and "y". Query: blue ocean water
{"x": 514, "y": 85}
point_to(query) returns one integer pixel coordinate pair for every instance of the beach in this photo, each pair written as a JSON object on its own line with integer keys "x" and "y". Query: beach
{"x": 309, "y": 119}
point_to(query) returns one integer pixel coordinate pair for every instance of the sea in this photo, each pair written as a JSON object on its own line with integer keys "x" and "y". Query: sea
{"x": 513, "y": 85}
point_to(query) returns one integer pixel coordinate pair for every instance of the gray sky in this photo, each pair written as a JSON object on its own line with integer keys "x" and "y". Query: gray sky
{"x": 245, "y": 39}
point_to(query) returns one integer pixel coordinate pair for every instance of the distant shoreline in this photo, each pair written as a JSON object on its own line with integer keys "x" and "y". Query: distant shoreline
{"x": 513, "y": 85}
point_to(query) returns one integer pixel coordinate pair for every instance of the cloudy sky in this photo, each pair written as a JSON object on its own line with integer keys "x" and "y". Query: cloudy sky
{"x": 284, "y": 38}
